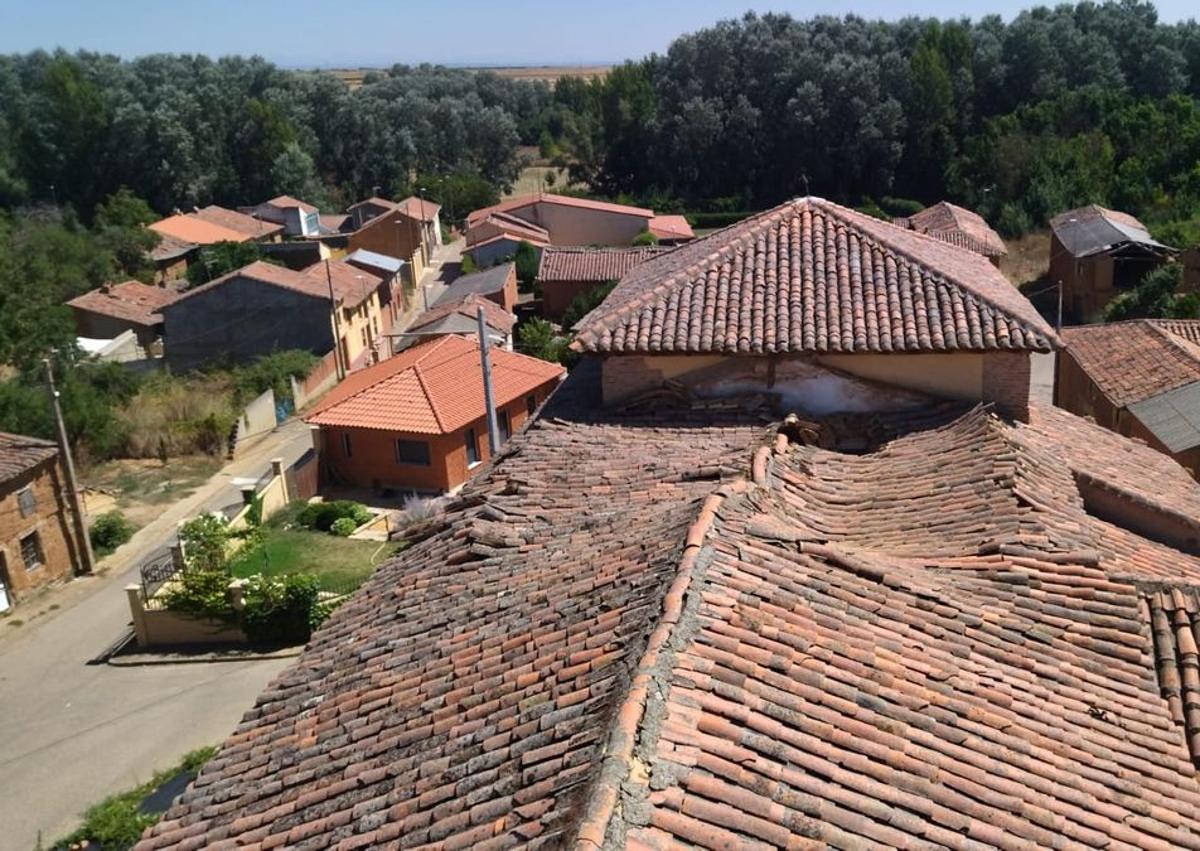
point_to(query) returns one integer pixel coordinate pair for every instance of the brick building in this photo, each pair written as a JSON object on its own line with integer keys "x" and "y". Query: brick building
{"x": 826, "y": 307}
{"x": 957, "y": 226}
{"x": 567, "y": 273}
{"x": 417, "y": 421}
{"x": 1139, "y": 378}
{"x": 38, "y": 542}
{"x": 110, "y": 310}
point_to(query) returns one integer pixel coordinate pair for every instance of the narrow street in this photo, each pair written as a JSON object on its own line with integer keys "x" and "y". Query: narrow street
{"x": 74, "y": 732}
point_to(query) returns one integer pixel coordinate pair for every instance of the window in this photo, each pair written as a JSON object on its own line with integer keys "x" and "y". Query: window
{"x": 530, "y": 404}
{"x": 412, "y": 452}
{"x": 31, "y": 551}
{"x": 26, "y": 500}
{"x": 472, "y": 448}
{"x": 347, "y": 447}
{"x": 505, "y": 425}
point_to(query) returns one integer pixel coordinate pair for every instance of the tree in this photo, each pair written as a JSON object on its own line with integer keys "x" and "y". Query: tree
{"x": 538, "y": 339}
{"x": 120, "y": 225}
{"x": 645, "y": 238}
{"x": 295, "y": 173}
{"x": 1156, "y": 297}
{"x": 527, "y": 260}
{"x": 220, "y": 259}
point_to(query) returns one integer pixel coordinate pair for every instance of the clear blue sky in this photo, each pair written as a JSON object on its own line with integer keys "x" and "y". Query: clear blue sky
{"x": 380, "y": 32}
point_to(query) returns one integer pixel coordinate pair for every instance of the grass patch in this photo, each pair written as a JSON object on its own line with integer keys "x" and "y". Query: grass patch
{"x": 116, "y": 823}
{"x": 335, "y": 561}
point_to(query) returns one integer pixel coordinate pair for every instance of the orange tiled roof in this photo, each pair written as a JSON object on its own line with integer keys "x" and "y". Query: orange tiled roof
{"x": 671, "y": 227}
{"x": 494, "y": 315}
{"x": 430, "y": 388}
{"x": 197, "y": 231}
{"x": 351, "y": 285}
{"x": 510, "y": 227}
{"x": 957, "y": 226}
{"x": 672, "y": 627}
{"x": 1134, "y": 360}
{"x": 422, "y": 211}
{"x": 592, "y": 264}
{"x": 237, "y": 222}
{"x": 286, "y": 201}
{"x": 131, "y": 301}
{"x": 559, "y": 200}
{"x": 812, "y": 276}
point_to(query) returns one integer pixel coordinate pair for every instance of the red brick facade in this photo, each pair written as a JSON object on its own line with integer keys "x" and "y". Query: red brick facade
{"x": 37, "y": 543}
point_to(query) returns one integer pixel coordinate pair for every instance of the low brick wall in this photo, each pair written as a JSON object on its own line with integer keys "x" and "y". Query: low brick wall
{"x": 1006, "y": 381}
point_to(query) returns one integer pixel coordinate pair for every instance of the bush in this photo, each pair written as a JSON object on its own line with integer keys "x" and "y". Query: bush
{"x": 279, "y": 609}
{"x": 320, "y": 516}
{"x": 205, "y": 540}
{"x": 537, "y": 338}
{"x": 717, "y": 220}
{"x": 900, "y": 206}
{"x": 585, "y": 303}
{"x": 527, "y": 260}
{"x": 645, "y": 238}
{"x": 469, "y": 265}
{"x": 271, "y": 372}
{"x": 343, "y": 527}
{"x": 201, "y": 594}
{"x": 109, "y": 531}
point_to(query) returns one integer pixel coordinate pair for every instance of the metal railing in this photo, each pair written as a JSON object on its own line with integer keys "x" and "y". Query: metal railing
{"x": 155, "y": 573}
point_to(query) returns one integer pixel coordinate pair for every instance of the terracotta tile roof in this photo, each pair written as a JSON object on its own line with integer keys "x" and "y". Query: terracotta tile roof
{"x": 131, "y": 301}
{"x": 501, "y": 225}
{"x": 671, "y": 227}
{"x": 283, "y": 202}
{"x": 811, "y": 276}
{"x": 1184, "y": 329}
{"x": 19, "y": 454}
{"x": 592, "y": 264}
{"x": 237, "y": 222}
{"x": 748, "y": 641}
{"x": 187, "y": 228}
{"x": 494, "y": 315}
{"x": 422, "y": 211}
{"x": 351, "y": 284}
{"x": 1174, "y": 615}
{"x": 523, "y": 201}
{"x": 435, "y": 387}
{"x": 957, "y": 226}
{"x": 1134, "y": 360}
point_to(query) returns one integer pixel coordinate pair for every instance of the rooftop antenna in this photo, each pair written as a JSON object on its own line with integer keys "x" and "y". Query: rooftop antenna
{"x": 804, "y": 182}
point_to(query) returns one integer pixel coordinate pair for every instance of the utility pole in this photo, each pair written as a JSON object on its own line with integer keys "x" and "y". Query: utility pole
{"x": 339, "y": 364}
{"x": 1058, "y": 323}
{"x": 85, "y": 541}
{"x": 488, "y": 399}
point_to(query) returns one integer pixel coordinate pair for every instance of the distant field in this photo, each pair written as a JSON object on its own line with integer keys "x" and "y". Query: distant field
{"x": 1028, "y": 258}
{"x": 353, "y": 77}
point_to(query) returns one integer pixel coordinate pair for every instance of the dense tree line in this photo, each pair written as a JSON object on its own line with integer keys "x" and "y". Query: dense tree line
{"x": 180, "y": 131}
{"x": 1063, "y": 106}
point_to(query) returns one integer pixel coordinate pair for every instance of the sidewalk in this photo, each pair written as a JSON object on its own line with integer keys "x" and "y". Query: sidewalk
{"x": 74, "y": 732}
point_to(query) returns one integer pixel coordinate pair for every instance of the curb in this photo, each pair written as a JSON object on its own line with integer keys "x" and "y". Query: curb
{"x": 139, "y": 660}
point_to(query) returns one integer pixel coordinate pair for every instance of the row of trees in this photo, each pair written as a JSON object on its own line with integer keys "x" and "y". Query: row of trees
{"x": 187, "y": 130}
{"x": 1091, "y": 102}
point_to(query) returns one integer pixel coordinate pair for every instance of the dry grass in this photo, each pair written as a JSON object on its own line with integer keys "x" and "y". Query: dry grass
{"x": 550, "y": 73}
{"x": 1028, "y": 258}
{"x": 533, "y": 178}
{"x": 166, "y": 412}
{"x": 140, "y": 487}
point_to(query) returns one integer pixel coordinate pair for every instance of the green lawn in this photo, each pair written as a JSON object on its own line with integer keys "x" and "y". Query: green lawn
{"x": 335, "y": 561}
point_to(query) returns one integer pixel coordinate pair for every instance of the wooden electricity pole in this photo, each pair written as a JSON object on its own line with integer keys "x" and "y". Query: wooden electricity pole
{"x": 64, "y": 448}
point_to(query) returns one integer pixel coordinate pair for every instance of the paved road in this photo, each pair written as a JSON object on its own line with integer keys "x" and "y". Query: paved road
{"x": 72, "y": 733}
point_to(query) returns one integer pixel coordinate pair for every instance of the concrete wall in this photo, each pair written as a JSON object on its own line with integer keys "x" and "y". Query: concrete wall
{"x": 830, "y": 383}
{"x": 243, "y": 320}
{"x": 50, "y": 521}
{"x": 569, "y": 225}
{"x": 165, "y": 628}
{"x": 257, "y": 418}
{"x": 316, "y": 383}
{"x": 372, "y": 463}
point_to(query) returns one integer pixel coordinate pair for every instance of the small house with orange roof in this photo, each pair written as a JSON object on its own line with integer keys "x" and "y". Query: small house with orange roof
{"x": 418, "y": 421}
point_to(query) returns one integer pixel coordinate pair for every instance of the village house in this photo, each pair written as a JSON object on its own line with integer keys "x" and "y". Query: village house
{"x": 429, "y": 215}
{"x": 564, "y": 220}
{"x": 460, "y": 317}
{"x": 250, "y": 227}
{"x": 568, "y": 273}
{"x": 957, "y": 226}
{"x": 38, "y": 542}
{"x": 298, "y": 218}
{"x": 904, "y": 311}
{"x": 263, "y": 308}
{"x": 382, "y": 227}
{"x": 750, "y": 619}
{"x": 1139, "y": 378}
{"x": 496, "y": 237}
{"x": 498, "y": 284}
{"x": 417, "y": 421}
{"x": 393, "y": 272}
{"x": 111, "y": 310}
{"x": 171, "y": 257}
{"x": 1097, "y": 253}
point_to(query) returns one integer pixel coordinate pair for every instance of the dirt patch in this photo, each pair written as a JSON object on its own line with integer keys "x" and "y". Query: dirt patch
{"x": 1028, "y": 258}
{"x": 140, "y": 487}
{"x": 533, "y": 178}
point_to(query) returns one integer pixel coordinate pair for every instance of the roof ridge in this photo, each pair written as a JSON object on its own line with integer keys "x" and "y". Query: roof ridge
{"x": 416, "y": 368}
{"x": 1184, "y": 348}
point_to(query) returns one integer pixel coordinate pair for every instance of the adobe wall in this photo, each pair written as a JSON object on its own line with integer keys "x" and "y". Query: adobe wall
{"x": 50, "y": 522}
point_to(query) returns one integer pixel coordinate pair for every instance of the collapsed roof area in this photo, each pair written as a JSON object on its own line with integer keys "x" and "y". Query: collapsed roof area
{"x": 678, "y": 622}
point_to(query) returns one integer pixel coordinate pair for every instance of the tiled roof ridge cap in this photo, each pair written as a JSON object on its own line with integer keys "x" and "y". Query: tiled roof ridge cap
{"x": 839, "y": 212}
{"x": 416, "y": 368}
{"x": 1181, "y": 347}
{"x": 619, "y": 757}
{"x": 437, "y": 344}
{"x": 642, "y": 299}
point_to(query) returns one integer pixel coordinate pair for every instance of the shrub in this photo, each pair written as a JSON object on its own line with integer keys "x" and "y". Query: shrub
{"x": 585, "y": 303}
{"x": 527, "y": 260}
{"x": 645, "y": 238}
{"x": 343, "y": 527}
{"x": 109, "y": 531}
{"x": 271, "y": 372}
{"x": 205, "y": 540}
{"x": 537, "y": 338}
{"x": 469, "y": 265}
{"x": 201, "y": 594}
{"x": 279, "y": 609}
{"x": 321, "y": 516}
{"x": 900, "y": 206}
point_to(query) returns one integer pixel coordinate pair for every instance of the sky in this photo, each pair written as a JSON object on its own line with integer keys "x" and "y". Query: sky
{"x": 375, "y": 33}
